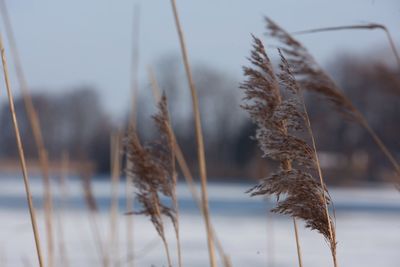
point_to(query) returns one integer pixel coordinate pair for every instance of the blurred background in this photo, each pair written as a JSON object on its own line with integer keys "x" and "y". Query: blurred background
{"x": 79, "y": 60}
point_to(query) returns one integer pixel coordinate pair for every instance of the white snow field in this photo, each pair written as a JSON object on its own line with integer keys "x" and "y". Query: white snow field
{"x": 367, "y": 224}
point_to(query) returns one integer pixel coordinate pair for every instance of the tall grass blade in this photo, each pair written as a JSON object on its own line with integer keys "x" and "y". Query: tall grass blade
{"x": 21, "y": 155}
{"x": 37, "y": 134}
{"x": 93, "y": 220}
{"x": 199, "y": 137}
{"x": 115, "y": 176}
{"x": 64, "y": 195}
{"x": 134, "y": 85}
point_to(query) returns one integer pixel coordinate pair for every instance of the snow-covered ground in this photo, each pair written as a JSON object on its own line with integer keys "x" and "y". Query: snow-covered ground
{"x": 367, "y": 221}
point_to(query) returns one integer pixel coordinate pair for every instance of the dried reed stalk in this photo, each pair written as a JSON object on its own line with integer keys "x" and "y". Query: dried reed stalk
{"x": 298, "y": 246}
{"x": 134, "y": 84}
{"x": 63, "y": 178}
{"x": 21, "y": 155}
{"x": 37, "y": 133}
{"x": 186, "y": 171}
{"x": 93, "y": 209}
{"x": 199, "y": 137}
{"x": 134, "y": 91}
{"x": 115, "y": 176}
{"x": 368, "y": 26}
{"x": 280, "y": 120}
{"x": 312, "y": 77}
{"x": 61, "y": 240}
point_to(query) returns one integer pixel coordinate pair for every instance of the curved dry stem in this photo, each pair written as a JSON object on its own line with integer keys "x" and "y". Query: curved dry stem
{"x": 64, "y": 195}
{"x": 115, "y": 176}
{"x": 321, "y": 179}
{"x": 132, "y": 125}
{"x": 369, "y": 26}
{"x": 34, "y": 122}
{"x": 21, "y": 156}
{"x": 199, "y": 137}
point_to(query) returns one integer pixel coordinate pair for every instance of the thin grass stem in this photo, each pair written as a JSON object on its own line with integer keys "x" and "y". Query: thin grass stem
{"x": 199, "y": 137}
{"x": 21, "y": 156}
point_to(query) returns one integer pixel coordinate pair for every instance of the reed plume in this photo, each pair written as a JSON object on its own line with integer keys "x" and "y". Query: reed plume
{"x": 312, "y": 77}
{"x": 274, "y": 105}
{"x": 186, "y": 172}
{"x": 153, "y": 168}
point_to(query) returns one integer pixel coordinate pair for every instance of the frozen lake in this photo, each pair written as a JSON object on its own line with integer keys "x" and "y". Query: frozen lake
{"x": 367, "y": 221}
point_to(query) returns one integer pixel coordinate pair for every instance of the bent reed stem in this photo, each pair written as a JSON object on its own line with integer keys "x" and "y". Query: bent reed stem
{"x": 21, "y": 156}
{"x": 199, "y": 137}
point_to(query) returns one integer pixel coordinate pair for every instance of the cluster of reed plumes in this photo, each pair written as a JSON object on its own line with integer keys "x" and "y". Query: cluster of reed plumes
{"x": 274, "y": 100}
{"x": 275, "y": 104}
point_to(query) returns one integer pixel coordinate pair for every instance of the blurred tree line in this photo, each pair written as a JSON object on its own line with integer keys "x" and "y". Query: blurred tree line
{"x": 73, "y": 122}
{"x": 77, "y": 123}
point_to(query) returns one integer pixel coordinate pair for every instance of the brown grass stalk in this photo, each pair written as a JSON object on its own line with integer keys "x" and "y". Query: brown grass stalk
{"x": 199, "y": 137}
{"x": 298, "y": 246}
{"x": 134, "y": 85}
{"x": 163, "y": 122}
{"x": 93, "y": 220}
{"x": 61, "y": 240}
{"x": 164, "y": 240}
{"x": 321, "y": 179}
{"x": 369, "y": 26}
{"x": 129, "y": 205}
{"x": 186, "y": 171}
{"x": 61, "y": 236}
{"x": 37, "y": 133}
{"x": 115, "y": 176}
{"x": 21, "y": 156}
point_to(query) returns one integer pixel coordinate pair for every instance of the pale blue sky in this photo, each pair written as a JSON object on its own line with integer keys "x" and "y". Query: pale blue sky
{"x": 70, "y": 43}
